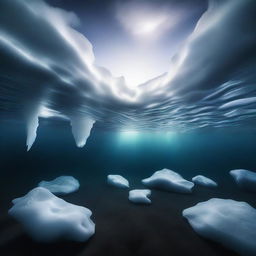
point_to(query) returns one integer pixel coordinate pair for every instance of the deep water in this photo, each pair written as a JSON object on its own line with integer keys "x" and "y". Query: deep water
{"x": 121, "y": 227}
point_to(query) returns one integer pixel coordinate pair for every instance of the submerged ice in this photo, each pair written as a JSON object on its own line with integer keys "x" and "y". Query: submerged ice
{"x": 47, "y": 218}
{"x": 32, "y": 125}
{"x": 81, "y": 128}
{"x": 204, "y": 181}
{"x": 61, "y": 185}
{"x": 225, "y": 221}
{"x": 140, "y": 196}
{"x": 168, "y": 180}
{"x": 117, "y": 181}
{"x": 244, "y": 179}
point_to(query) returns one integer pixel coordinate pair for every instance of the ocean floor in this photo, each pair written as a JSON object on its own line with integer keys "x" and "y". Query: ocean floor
{"x": 122, "y": 228}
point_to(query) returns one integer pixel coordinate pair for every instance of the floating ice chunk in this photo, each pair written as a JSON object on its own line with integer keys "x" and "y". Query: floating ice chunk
{"x": 204, "y": 181}
{"x": 228, "y": 222}
{"x": 245, "y": 179}
{"x": 46, "y": 217}
{"x": 61, "y": 185}
{"x": 118, "y": 181}
{"x": 140, "y": 196}
{"x": 81, "y": 129}
{"x": 168, "y": 180}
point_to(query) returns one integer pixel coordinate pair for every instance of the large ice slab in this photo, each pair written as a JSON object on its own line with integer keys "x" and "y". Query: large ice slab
{"x": 117, "y": 181}
{"x": 47, "y": 218}
{"x": 245, "y": 179}
{"x": 168, "y": 180}
{"x": 140, "y": 196}
{"x": 204, "y": 181}
{"x": 225, "y": 221}
{"x": 61, "y": 185}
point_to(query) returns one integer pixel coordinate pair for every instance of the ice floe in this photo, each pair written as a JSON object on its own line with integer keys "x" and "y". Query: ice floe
{"x": 47, "y": 218}
{"x": 117, "y": 181}
{"x": 245, "y": 179}
{"x": 140, "y": 196}
{"x": 61, "y": 185}
{"x": 225, "y": 221}
{"x": 168, "y": 180}
{"x": 204, "y": 181}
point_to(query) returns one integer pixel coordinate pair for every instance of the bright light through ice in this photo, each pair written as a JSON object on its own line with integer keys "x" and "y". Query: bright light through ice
{"x": 148, "y": 27}
{"x": 45, "y": 112}
{"x": 143, "y": 19}
{"x": 145, "y": 22}
{"x": 134, "y": 137}
{"x": 137, "y": 66}
{"x": 128, "y": 136}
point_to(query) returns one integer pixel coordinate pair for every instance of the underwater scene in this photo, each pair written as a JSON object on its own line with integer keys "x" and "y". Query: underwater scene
{"x": 127, "y": 127}
{"x": 122, "y": 227}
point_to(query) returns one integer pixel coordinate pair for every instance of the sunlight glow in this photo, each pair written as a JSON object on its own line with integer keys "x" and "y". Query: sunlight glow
{"x": 145, "y": 24}
{"x": 147, "y": 27}
{"x": 128, "y": 136}
{"x": 146, "y": 19}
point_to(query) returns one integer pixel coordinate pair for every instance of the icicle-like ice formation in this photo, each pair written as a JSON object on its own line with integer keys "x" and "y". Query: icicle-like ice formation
{"x": 81, "y": 129}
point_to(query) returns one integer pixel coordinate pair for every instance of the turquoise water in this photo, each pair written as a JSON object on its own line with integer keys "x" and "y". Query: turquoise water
{"x": 210, "y": 152}
{"x": 54, "y": 152}
{"x": 122, "y": 228}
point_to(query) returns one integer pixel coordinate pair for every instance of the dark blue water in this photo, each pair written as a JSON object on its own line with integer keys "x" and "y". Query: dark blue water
{"x": 122, "y": 228}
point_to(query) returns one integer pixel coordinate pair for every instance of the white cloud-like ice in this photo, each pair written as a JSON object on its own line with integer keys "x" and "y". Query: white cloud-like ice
{"x": 168, "y": 180}
{"x": 225, "y": 221}
{"x": 204, "y": 181}
{"x": 117, "y": 181}
{"x": 244, "y": 179}
{"x": 140, "y": 196}
{"x": 47, "y": 218}
{"x": 47, "y": 64}
{"x": 61, "y": 185}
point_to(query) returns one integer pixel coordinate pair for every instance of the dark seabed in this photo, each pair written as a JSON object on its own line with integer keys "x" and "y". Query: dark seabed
{"x": 122, "y": 228}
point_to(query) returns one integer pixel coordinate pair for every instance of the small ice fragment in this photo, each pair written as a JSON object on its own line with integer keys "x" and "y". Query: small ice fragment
{"x": 118, "y": 181}
{"x": 245, "y": 179}
{"x": 166, "y": 179}
{"x": 204, "y": 181}
{"x": 61, "y": 185}
{"x": 140, "y": 196}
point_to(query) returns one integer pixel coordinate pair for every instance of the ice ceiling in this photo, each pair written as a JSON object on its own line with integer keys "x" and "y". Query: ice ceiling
{"x": 48, "y": 70}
